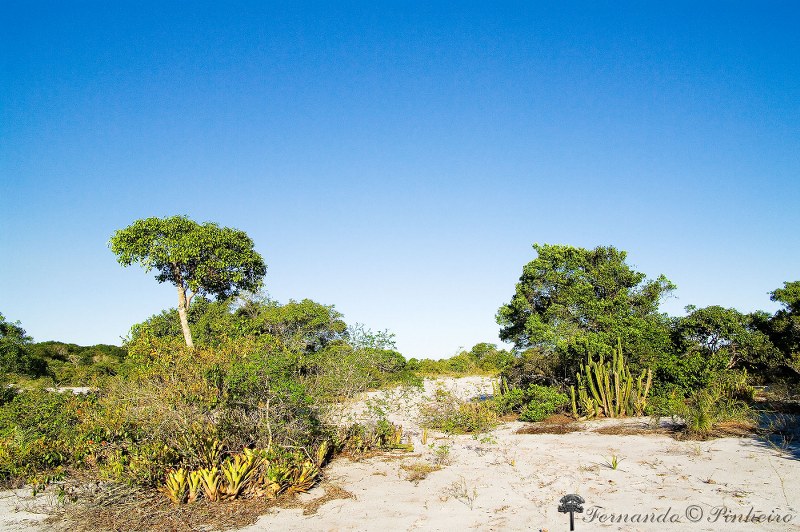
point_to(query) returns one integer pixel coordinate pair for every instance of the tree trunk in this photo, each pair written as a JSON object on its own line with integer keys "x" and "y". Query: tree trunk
{"x": 183, "y": 307}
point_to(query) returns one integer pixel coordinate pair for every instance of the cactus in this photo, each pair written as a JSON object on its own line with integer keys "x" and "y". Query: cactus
{"x": 607, "y": 388}
{"x": 177, "y": 486}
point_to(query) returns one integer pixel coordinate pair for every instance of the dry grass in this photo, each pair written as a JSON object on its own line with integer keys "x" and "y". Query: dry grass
{"x": 558, "y": 419}
{"x": 555, "y": 424}
{"x": 124, "y": 510}
{"x": 417, "y": 471}
{"x": 332, "y": 492}
{"x": 633, "y": 430}
{"x": 725, "y": 429}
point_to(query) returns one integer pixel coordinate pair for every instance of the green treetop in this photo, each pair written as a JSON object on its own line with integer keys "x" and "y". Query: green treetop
{"x": 199, "y": 259}
{"x": 570, "y": 300}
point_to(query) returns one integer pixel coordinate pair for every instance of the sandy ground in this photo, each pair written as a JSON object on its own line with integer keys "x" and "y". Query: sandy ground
{"x": 508, "y": 481}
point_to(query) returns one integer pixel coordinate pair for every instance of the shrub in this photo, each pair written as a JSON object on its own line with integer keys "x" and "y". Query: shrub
{"x": 40, "y": 433}
{"x": 705, "y": 409}
{"x": 452, "y": 415}
{"x": 542, "y": 401}
{"x": 533, "y": 366}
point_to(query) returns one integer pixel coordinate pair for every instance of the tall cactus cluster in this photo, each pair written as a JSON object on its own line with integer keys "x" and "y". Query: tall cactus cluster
{"x": 607, "y": 388}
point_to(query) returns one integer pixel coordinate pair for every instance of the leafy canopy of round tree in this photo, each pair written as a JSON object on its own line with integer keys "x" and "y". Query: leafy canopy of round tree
{"x": 199, "y": 259}
{"x": 725, "y": 338}
{"x": 573, "y": 300}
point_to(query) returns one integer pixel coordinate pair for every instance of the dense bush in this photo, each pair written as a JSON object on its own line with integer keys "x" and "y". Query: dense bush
{"x": 41, "y": 432}
{"x": 15, "y": 353}
{"x": 483, "y": 358}
{"x": 543, "y": 401}
{"x": 533, "y": 403}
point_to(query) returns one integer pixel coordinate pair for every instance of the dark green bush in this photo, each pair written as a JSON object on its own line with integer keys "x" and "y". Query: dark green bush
{"x": 533, "y": 403}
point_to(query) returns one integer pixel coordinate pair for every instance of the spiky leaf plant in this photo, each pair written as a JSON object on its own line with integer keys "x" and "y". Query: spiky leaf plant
{"x": 177, "y": 486}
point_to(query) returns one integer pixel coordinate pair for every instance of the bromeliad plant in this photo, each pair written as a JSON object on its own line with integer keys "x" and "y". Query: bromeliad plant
{"x": 251, "y": 473}
{"x": 177, "y": 486}
{"x": 238, "y": 470}
{"x": 607, "y": 388}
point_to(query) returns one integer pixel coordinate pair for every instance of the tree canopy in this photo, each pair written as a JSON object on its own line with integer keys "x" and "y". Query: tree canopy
{"x": 571, "y": 300}
{"x": 199, "y": 259}
{"x": 724, "y": 337}
{"x": 15, "y": 352}
{"x": 783, "y": 327}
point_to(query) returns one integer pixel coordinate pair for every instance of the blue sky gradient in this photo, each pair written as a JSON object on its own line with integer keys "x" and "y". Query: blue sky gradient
{"x": 397, "y": 160}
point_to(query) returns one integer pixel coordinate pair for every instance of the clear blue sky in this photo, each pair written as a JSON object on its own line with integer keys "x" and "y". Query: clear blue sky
{"x": 397, "y": 160}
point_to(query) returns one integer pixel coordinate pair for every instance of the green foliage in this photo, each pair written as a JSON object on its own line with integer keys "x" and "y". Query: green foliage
{"x": 783, "y": 328}
{"x": 16, "y": 355}
{"x": 541, "y": 402}
{"x": 448, "y": 413}
{"x": 198, "y": 259}
{"x": 725, "y": 338}
{"x": 40, "y": 433}
{"x": 304, "y": 326}
{"x": 382, "y": 435}
{"x": 205, "y": 259}
{"x": 532, "y": 366}
{"x": 570, "y": 301}
{"x": 705, "y": 409}
{"x": 76, "y": 365}
{"x": 533, "y": 403}
{"x": 483, "y": 358}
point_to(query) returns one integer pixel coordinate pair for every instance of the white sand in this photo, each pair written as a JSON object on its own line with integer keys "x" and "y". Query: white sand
{"x": 514, "y": 482}
{"x": 505, "y": 481}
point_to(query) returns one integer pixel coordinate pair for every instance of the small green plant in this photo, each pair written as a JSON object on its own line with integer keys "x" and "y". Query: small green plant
{"x": 418, "y": 471}
{"x": 238, "y": 470}
{"x": 211, "y": 483}
{"x": 195, "y": 484}
{"x": 707, "y": 408}
{"x": 612, "y": 462}
{"x": 302, "y": 477}
{"x": 442, "y": 455}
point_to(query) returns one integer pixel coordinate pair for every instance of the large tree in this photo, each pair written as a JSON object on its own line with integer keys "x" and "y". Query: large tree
{"x": 725, "y": 338}
{"x": 572, "y": 300}
{"x": 199, "y": 259}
